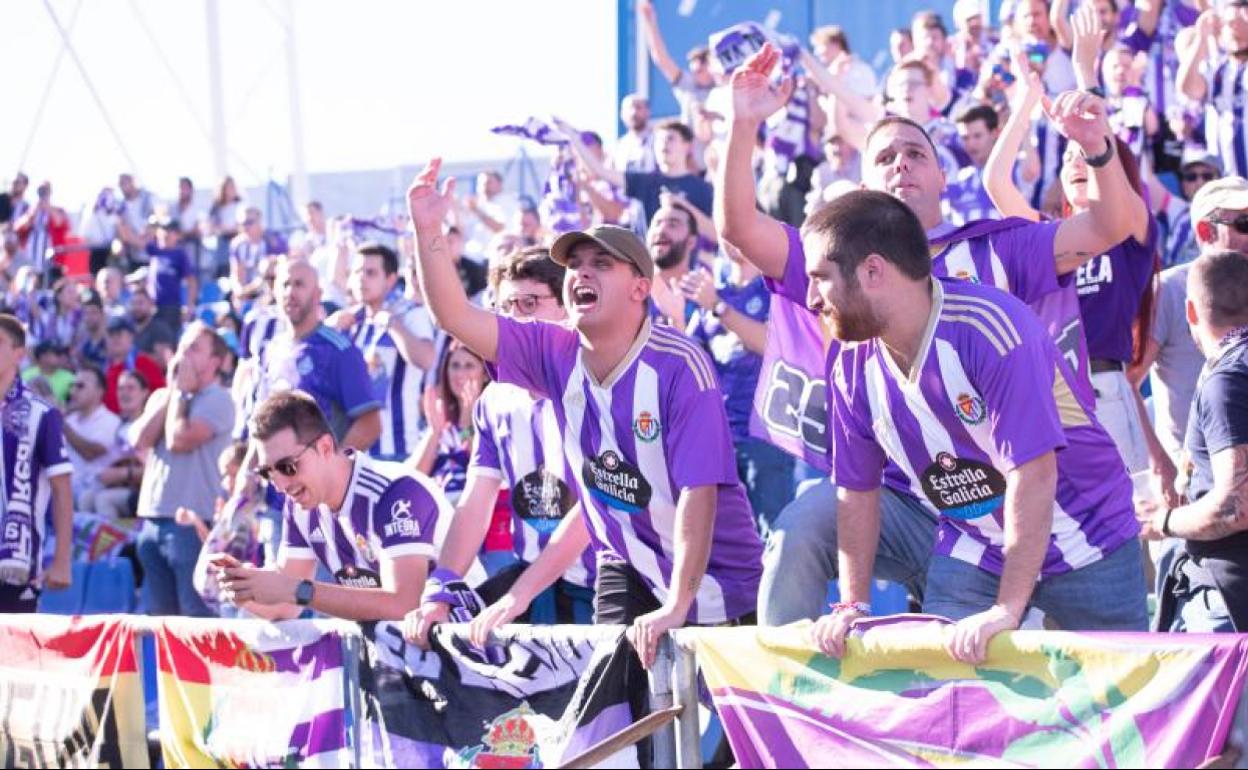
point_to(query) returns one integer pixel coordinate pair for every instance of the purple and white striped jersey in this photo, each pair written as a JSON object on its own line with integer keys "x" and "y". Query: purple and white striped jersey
{"x": 390, "y": 511}
{"x": 396, "y": 384}
{"x": 988, "y": 392}
{"x": 654, "y": 427}
{"x": 32, "y": 451}
{"x": 965, "y": 199}
{"x": 1050, "y": 147}
{"x": 260, "y": 325}
{"x": 518, "y": 442}
{"x": 1225, "y": 133}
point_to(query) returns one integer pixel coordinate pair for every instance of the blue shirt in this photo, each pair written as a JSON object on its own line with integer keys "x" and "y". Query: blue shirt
{"x": 166, "y": 270}
{"x": 737, "y": 367}
{"x": 646, "y": 188}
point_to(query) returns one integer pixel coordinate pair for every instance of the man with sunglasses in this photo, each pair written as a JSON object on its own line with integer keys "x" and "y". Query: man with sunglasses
{"x": 518, "y": 447}
{"x": 90, "y": 430}
{"x": 370, "y": 523}
{"x": 183, "y": 429}
{"x": 1199, "y": 168}
{"x": 643, "y": 424}
{"x": 396, "y": 340}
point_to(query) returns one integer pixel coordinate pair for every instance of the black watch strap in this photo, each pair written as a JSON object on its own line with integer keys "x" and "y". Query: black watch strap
{"x": 304, "y": 592}
{"x": 1096, "y": 91}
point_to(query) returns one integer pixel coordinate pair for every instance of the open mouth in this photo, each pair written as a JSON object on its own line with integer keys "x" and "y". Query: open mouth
{"x": 584, "y": 297}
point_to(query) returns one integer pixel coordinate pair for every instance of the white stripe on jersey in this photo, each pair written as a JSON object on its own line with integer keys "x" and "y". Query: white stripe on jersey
{"x": 885, "y": 429}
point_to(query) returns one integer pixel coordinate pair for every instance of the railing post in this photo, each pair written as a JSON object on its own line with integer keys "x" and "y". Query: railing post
{"x": 663, "y": 741}
{"x": 352, "y": 644}
{"x": 688, "y": 728}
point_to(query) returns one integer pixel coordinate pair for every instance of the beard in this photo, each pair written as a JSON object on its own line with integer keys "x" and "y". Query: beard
{"x": 853, "y": 320}
{"x": 675, "y": 255}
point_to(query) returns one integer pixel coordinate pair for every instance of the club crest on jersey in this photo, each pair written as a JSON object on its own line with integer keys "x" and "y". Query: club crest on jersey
{"x": 304, "y": 365}
{"x": 971, "y": 409}
{"x": 646, "y": 427}
{"x": 366, "y": 551}
{"x": 966, "y": 275}
{"x": 401, "y": 522}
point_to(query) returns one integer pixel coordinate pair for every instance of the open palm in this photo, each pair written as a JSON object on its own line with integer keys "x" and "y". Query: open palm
{"x": 427, "y": 205}
{"x": 753, "y": 96}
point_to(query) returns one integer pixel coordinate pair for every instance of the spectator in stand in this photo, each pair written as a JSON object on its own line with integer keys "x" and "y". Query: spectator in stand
{"x": 673, "y": 245}
{"x": 90, "y": 432}
{"x": 124, "y": 356}
{"x": 93, "y": 342}
{"x": 118, "y": 492}
{"x": 634, "y": 151}
{"x": 841, "y": 167}
{"x": 691, "y": 86}
{"x": 222, "y": 225}
{"x": 153, "y": 335}
{"x": 315, "y": 232}
{"x": 61, "y": 322}
{"x": 673, "y": 147}
{"x": 137, "y": 207}
{"x": 1199, "y": 168}
{"x": 41, "y": 228}
{"x": 99, "y": 228}
{"x": 830, "y": 45}
{"x": 51, "y": 371}
{"x": 472, "y": 274}
{"x": 110, "y": 284}
{"x": 192, "y": 219}
{"x": 246, "y": 251}
{"x": 396, "y": 340}
{"x": 169, "y": 269}
{"x": 13, "y": 204}
{"x": 931, "y": 46}
{"x": 966, "y": 199}
{"x": 185, "y": 426}
{"x": 444, "y": 450}
{"x": 488, "y": 211}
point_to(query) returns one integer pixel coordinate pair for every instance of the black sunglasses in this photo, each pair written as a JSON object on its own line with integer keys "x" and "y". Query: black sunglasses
{"x": 1239, "y": 223}
{"x": 287, "y": 466}
{"x": 1199, "y": 176}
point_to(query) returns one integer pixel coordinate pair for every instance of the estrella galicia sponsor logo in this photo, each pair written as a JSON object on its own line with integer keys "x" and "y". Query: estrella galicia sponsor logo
{"x": 541, "y": 499}
{"x": 357, "y": 577}
{"x": 616, "y": 483}
{"x": 401, "y": 522}
{"x": 646, "y": 427}
{"x": 970, "y": 409}
{"x": 963, "y": 489}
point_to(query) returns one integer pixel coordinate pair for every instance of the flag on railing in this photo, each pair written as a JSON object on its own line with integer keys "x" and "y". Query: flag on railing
{"x": 70, "y": 693}
{"x": 251, "y": 694}
{"x": 557, "y": 691}
{"x": 1042, "y": 699}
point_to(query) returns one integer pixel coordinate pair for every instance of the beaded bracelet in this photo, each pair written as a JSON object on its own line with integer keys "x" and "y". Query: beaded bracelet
{"x": 862, "y": 608}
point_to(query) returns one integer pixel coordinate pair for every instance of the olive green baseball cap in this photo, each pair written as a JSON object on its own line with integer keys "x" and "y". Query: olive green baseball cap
{"x": 619, "y": 242}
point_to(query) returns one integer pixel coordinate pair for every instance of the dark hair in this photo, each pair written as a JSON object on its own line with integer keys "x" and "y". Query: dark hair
{"x": 1224, "y": 280}
{"x": 234, "y": 454}
{"x": 91, "y": 298}
{"x": 682, "y": 208}
{"x": 529, "y": 264}
{"x": 13, "y": 327}
{"x": 980, "y": 112}
{"x": 831, "y": 34}
{"x": 930, "y": 20}
{"x": 138, "y": 376}
{"x": 893, "y": 120}
{"x": 454, "y": 409}
{"x": 196, "y": 328}
{"x": 674, "y": 124}
{"x": 289, "y": 409}
{"x": 591, "y": 137}
{"x": 865, "y": 222}
{"x": 97, "y": 373}
{"x": 389, "y": 259}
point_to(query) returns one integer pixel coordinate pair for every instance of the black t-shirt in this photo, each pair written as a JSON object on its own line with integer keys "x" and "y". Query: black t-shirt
{"x": 156, "y": 332}
{"x": 473, "y": 275}
{"x": 646, "y": 187}
{"x": 1219, "y": 421}
{"x": 6, "y": 208}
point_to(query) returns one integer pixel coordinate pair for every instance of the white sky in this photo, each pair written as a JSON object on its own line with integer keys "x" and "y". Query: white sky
{"x": 383, "y": 83}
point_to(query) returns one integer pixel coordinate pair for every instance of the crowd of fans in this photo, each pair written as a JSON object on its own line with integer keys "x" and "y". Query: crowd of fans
{"x": 207, "y": 373}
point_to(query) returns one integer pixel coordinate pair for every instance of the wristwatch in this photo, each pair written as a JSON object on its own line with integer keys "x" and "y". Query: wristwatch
{"x": 304, "y": 592}
{"x": 719, "y": 308}
{"x": 1102, "y": 160}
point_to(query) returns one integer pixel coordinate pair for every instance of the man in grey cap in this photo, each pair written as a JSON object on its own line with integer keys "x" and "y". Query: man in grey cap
{"x": 1198, "y": 168}
{"x": 644, "y": 433}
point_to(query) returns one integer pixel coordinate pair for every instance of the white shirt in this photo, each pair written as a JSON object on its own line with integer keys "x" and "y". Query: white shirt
{"x": 99, "y": 427}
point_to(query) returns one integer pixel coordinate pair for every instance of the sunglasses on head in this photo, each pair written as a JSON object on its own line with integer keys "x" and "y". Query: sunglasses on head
{"x": 1199, "y": 176}
{"x": 1239, "y": 223}
{"x": 287, "y": 466}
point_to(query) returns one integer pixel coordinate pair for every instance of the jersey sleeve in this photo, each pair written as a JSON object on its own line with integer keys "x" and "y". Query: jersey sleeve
{"x": 1224, "y": 403}
{"x": 354, "y": 385}
{"x": 486, "y": 460}
{"x": 294, "y": 540}
{"x": 794, "y": 284}
{"x": 697, "y": 439}
{"x": 1026, "y": 252}
{"x": 529, "y": 354}
{"x": 50, "y": 445}
{"x": 405, "y": 519}
{"x": 857, "y": 458}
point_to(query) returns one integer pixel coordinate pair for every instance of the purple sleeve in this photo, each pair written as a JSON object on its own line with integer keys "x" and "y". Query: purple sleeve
{"x": 1021, "y": 371}
{"x": 697, "y": 440}
{"x": 1027, "y": 254}
{"x": 794, "y": 284}
{"x": 354, "y": 385}
{"x": 484, "y": 444}
{"x": 857, "y": 458}
{"x": 405, "y": 519}
{"x": 50, "y": 445}
{"x": 529, "y": 351}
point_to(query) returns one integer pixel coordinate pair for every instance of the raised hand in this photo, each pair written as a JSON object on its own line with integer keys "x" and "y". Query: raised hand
{"x": 754, "y": 98}
{"x": 1089, "y": 36}
{"x": 1082, "y": 118}
{"x": 427, "y": 205}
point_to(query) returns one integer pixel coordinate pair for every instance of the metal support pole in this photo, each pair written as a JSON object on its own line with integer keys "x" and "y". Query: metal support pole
{"x": 663, "y": 741}
{"x": 351, "y": 648}
{"x": 688, "y": 729}
{"x": 216, "y": 88}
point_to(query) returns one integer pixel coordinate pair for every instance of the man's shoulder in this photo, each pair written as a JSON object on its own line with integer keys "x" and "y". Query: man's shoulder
{"x": 331, "y": 338}
{"x": 975, "y": 316}
{"x": 679, "y": 357}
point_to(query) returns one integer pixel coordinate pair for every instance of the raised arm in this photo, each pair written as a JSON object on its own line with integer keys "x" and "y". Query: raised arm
{"x": 1059, "y": 19}
{"x": 596, "y": 168}
{"x": 654, "y": 42}
{"x": 760, "y": 238}
{"x": 1088, "y": 35}
{"x": 827, "y": 83}
{"x": 999, "y": 170}
{"x": 444, "y": 293}
{"x": 1194, "y": 48}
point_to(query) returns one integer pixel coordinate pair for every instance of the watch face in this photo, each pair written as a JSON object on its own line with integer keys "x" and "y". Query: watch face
{"x": 303, "y": 593}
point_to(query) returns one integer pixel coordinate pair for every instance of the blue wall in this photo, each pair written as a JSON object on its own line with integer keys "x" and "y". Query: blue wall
{"x": 867, "y": 22}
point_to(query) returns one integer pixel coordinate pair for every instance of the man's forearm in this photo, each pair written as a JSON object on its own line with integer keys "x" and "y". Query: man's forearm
{"x": 857, "y": 538}
{"x": 1224, "y": 510}
{"x": 566, "y": 545}
{"x": 63, "y": 515}
{"x": 364, "y": 604}
{"x": 88, "y": 449}
{"x": 1029, "y": 497}
{"x": 470, "y": 523}
{"x": 695, "y": 523}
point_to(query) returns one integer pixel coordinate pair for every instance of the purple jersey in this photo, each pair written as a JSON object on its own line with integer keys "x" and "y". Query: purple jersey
{"x": 965, "y": 198}
{"x": 33, "y": 452}
{"x": 989, "y": 392}
{"x": 518, "y": 442}
{"x": 324, "y": 364}
{"x": 394, "y": 383}
{"x": 656, "y": 427}
{"x": 1225, "y": 133}
{"x": 166, "y": 270}
{"x": 260, "y": 326}
{"x": 389, "y": 511}
{"x": 1111, "y": 288}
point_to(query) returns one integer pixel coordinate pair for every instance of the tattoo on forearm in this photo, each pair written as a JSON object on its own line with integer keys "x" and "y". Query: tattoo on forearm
{"x": 437, "y": 244}
{"x": 1063, "y": 256}
{"x": 1230, "y": 513}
